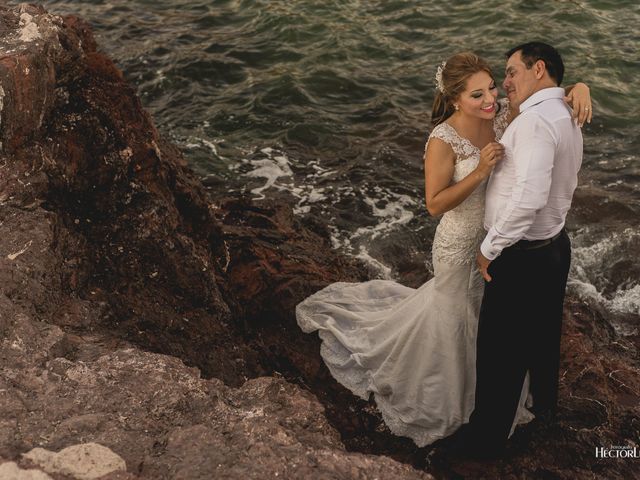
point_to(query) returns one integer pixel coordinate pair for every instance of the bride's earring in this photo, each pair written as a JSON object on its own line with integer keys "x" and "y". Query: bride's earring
{"x": 456, "y": 106}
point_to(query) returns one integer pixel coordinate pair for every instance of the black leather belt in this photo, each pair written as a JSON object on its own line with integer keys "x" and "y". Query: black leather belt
{"x": 533, "y": 244}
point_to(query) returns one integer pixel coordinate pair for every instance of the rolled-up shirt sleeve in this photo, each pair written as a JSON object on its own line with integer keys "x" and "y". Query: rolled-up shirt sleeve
{"x": 533, "y": 157}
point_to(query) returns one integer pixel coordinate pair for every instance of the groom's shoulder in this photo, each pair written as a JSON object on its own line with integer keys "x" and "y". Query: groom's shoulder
{"x": 550, "y": 110}
{"x": 551, "y": 118}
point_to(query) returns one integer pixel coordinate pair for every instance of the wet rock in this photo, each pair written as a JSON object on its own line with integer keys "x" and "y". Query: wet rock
{"x": 133, "y": 246}
{"x": 110, "y": 250}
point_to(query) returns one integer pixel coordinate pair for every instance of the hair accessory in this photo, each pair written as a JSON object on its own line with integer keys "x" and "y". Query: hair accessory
{"x": 439, "y": 84}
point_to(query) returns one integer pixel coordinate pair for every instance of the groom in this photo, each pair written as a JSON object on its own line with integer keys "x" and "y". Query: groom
{"x": 526, "y": 254}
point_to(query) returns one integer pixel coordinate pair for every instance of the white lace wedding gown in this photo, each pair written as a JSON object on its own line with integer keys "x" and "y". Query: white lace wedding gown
{"x": 414, "y": 349}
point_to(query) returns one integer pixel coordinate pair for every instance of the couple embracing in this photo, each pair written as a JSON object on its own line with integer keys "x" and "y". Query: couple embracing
{"x": 478, "y": 344}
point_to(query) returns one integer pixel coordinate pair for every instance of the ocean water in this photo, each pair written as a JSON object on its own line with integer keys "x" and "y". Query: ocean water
{"x": 326, "y": 105}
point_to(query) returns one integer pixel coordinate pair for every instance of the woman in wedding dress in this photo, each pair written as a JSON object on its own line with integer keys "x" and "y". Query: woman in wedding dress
{"x": 415, "y": 349}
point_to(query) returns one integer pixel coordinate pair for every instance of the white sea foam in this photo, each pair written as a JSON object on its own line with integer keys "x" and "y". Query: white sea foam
{"x": 585, "y": 290}
{"x": 193, "y": 143}
{"x": 594, "y": 252}
{"x": 379, "y": 268}
{"x": 338, "y": 240}
{"x": 624, "y": 301}
{"x": 390, "y": 209}
{"x": 394, "y": 210}
{"x": 627, "y": 300}
{"x": 211, "y": 146}
{"x": 594, "y": 255}
{"x": 271, "y": 167}
{"x": 306, "y": 195}
{"x": 271, "y": 170}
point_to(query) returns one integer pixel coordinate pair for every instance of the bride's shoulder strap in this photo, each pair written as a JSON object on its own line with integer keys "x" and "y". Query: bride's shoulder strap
{"x": 443, "y": 132}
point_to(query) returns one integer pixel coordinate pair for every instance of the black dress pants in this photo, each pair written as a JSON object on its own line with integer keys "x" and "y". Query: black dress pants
{"x": 518, "y": 331}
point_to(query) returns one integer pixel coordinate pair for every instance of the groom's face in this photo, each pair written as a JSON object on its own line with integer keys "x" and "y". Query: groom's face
{"x": 519, "y": 82}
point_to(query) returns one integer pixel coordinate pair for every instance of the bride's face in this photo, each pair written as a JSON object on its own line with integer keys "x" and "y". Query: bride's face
{"x": 479, "y": 97}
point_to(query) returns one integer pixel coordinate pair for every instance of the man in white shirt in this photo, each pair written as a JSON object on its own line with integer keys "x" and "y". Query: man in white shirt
{"x": 526, "y": 254}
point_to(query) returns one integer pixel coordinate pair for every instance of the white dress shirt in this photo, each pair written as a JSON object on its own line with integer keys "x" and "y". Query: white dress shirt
{"x": 530, "y": 190}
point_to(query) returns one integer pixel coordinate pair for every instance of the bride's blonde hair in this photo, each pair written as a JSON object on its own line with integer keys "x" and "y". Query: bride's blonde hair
{"x": 451, "y": 81}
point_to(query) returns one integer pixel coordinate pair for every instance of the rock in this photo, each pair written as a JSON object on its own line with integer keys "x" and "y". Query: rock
{"x": 11, "y": 471}
{"x": 127, "y": 240}
{"x": 110, "y": 244}
{"x": 165, "y": 421}
{"x": 88, "y": 461}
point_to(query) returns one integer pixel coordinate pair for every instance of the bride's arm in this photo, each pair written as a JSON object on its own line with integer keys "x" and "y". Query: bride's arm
{"x": 439, "y": 161}
{"x": 578, "y": 97}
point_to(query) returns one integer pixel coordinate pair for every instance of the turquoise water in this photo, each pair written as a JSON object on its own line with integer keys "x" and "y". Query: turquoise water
{"x": 327, "y": 104}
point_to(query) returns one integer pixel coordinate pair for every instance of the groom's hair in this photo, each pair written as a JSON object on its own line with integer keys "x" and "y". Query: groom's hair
{"x": 533, "y": 51}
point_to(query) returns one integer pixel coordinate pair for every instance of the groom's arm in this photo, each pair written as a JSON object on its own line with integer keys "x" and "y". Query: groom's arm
{"x": 533, "y": 156}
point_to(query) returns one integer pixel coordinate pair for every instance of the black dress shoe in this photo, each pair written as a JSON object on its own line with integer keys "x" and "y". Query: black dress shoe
{"x": 472, "y": 445}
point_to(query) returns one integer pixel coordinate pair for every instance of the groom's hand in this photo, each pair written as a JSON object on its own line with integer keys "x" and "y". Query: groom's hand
{"x": 483, "y": 265}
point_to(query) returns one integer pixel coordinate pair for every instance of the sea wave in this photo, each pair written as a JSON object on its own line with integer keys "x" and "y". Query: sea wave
{"x": 328, "y": 104}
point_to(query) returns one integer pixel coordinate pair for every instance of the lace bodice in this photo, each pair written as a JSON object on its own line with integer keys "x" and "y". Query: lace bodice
{"x": 461, "y": 229}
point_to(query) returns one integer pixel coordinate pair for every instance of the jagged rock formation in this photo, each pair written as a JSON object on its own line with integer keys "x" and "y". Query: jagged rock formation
{"x": 161, "y": 417}
{"x": 119, "y": 276}
{"x": 111, "y": 247}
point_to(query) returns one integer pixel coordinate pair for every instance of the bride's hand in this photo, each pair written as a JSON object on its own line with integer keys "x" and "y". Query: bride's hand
{"x": 491, "y": 154}
{"x": 579, "y": 98}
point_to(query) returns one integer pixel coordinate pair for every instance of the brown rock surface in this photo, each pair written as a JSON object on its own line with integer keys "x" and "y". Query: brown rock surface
{"x": 163, "y": 419}
{"x": 110, "y": 249}
{"x": 119, "y": 276}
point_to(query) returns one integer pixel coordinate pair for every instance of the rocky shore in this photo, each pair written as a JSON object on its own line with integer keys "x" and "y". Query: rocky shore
{"x": 147, "y": 326}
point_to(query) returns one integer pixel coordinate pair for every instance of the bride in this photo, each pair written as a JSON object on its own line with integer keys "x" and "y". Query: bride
{"x": 415, "y": 349}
